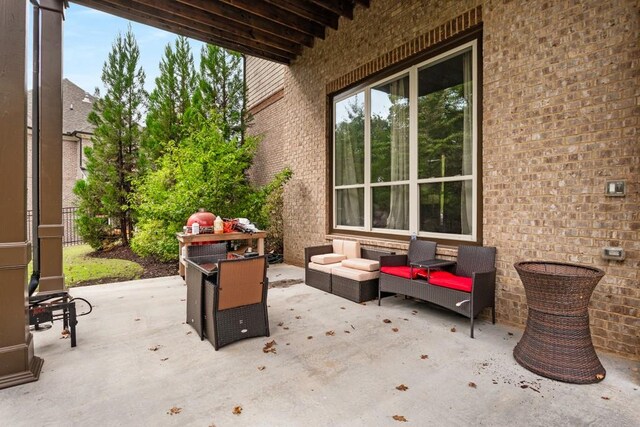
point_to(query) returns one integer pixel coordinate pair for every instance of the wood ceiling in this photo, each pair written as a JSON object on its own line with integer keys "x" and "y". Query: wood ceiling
{"x": 272, "y": 29}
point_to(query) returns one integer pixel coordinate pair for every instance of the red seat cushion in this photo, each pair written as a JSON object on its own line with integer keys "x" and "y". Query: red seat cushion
{"x": 448, "y": 280}
{"x": 401, "y": 271}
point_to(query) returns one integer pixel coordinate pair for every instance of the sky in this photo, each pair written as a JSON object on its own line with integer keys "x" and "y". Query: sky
{"x": 88, "y": 36}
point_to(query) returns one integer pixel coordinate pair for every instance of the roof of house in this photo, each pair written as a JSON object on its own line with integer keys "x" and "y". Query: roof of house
{"x": 76, "y": 106}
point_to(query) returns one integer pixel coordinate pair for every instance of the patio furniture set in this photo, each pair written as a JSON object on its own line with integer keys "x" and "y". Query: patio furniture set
{"x": 227, "y": 298}
{"x": 466, "y": 286}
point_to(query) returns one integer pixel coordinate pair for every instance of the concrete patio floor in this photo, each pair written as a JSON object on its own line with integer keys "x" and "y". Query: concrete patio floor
{"x": 348, "y": 378}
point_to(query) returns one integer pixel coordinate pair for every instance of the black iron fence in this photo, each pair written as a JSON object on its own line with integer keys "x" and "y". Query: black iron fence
{"x": 71, "y": 236}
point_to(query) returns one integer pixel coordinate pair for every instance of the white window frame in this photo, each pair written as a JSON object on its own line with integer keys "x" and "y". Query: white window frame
{"x": 413, "y": 182}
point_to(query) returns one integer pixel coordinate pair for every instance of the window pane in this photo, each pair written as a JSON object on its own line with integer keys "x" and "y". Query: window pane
{"x": 350, "y": 207}
{"x": 349, "y": 140}
{"x": 446, "y": 207}
{"x": 391, "y": 207}
{"x": 390, "y": 131}
{"x": 445, "y": 118}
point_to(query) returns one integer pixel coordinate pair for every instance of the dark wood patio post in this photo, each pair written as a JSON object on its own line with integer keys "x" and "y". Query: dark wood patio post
{"x": 51, "y": 229}
{"x": 18, "y": 365}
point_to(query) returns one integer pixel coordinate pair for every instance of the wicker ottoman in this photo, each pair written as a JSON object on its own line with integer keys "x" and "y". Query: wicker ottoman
{"x": 557, "y": 341}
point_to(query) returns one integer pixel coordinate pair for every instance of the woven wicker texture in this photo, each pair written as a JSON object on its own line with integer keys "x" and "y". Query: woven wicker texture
{"x": 557, "y": 288}
{"x": 557, "y": 340}
{"x": 560, "y": 348}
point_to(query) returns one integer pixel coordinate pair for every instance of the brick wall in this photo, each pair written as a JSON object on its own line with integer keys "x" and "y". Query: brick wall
{"x": 560, "y": 117}
{"x": 268, "y": 125}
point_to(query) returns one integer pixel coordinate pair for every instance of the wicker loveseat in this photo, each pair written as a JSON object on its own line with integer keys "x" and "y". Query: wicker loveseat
{"x": 467, "y": 289}
{"x": 344, "y": 269}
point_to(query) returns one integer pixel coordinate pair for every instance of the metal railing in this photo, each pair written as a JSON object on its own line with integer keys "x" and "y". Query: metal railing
{"x": 71, "y": 235}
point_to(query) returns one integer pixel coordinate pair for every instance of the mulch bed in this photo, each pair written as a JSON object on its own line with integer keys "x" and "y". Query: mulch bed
{"x": 151, "y": 267}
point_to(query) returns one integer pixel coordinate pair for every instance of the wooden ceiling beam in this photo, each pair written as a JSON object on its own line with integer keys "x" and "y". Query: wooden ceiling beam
{"x": 310, "y": 11}
{"x": 279, "y": 15}
{"x": 244, "y": 18}
{"x": 162, "y": 24}
{"x": 340, "y": 7}
{"x": 170, "y": 9}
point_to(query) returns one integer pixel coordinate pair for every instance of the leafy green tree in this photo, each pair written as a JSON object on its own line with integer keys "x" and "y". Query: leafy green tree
{"x": 171, "y": 99}
{"x": 114, "y": 161}
{"x": 204, "y": 171}
{"x": 221, "y": 90}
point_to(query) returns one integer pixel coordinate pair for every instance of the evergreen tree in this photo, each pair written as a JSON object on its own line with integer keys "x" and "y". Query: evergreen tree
{"x": 114, "y": 161}
{"x": 171, "y": 99}
{"x": 221, "y": 90}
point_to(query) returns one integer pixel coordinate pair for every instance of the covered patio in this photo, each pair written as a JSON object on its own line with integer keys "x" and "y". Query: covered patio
{"x": 136, "y": 360}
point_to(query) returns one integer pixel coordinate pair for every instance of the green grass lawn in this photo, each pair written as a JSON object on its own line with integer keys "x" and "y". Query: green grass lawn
{"x": 78, "y": 267}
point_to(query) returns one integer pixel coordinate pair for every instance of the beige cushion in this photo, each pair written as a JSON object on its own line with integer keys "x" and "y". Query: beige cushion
{"x": 325, "y": 268}
{"x": 337, "y": 246}
{"x": 327, "y": 258}
{"x": 353, "y": 274}
{"x": 351, "y": 249}
{"x": 361, "y": 264}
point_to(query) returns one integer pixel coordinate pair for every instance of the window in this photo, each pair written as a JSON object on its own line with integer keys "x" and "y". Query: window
{"x": 405, "y": 151}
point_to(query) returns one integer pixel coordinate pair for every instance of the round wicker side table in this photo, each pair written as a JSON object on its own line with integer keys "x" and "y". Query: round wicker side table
{"x": 557, "y": 341}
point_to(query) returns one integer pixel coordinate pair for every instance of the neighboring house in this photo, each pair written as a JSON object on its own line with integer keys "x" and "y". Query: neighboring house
{"x": 467, "y": 122}
{"x": 76, "y": 134}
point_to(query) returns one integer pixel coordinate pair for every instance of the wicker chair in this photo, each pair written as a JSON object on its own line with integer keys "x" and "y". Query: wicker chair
{"x": 236, "y": 306}
{"x": 199, "y": 268}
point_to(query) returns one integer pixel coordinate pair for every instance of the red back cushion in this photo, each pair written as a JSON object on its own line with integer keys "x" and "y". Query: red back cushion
{"x": 402, "y": 271}
{"x": 449, "y": 280}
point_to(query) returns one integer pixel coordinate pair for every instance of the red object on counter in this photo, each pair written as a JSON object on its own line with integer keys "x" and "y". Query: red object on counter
{"x": 202, "y": 217}
{"x": 205, "y": 219}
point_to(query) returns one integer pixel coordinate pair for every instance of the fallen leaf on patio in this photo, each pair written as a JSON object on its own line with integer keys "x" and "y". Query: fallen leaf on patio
{"x": 164, "y": 359}
{"x": 395, "y": 329}
{"x": 414, "y": 311}
{"x": 309, "y": 337}
{"x": 402, "y": 387}
{"x": 269, "y": 347}
{"x": 424, "y": 356}
{"x": 386, "y": 321}
{"x": 510, "y": 334}
{"x": 353, "y": 327}
{"x": 189, "y": 332}
{"x": 472, "y": 385}
{"x": 174, "y": 411}
{"x": 237, "y": 410}
{"x": 347, "y": 332}
{"x": 453, "y": 329}
{"x": 605, "y": 398}
{"x": 330, "y": 333}
{"x": 182, "y": 299}
{"x": 281, "y": 324}
{"x": 65, "y": 334}
{"x": 154, "y": 348}
{"x": 405, "y": 319}
{"x": 288, "y": 343}
{"x": 599, "y": 376}
{"x": 298, "y": 317}
{"x": 399, "y": 418}
{"x": 261, "y": 368}
{"x": 342, "y": 308}
{"x": 291, "y": 309}
{"x": 137, "y": 319}
{"x": 524, "y": 386}
{"x": 286, "y": 328}
{"x": 363, "y": 303}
